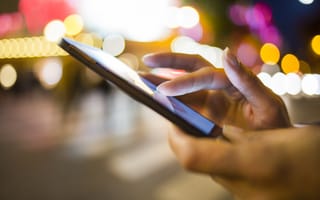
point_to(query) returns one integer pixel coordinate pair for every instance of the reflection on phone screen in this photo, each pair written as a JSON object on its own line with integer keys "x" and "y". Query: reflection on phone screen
{"x": 181, "y": 109}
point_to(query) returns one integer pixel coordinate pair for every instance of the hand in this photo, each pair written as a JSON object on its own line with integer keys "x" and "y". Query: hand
{"x": 270, "y": 164}
{"x": 232, "y": 96}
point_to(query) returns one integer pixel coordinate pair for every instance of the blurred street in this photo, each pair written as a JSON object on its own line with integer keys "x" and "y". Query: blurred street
{"x": 91, "y": 152}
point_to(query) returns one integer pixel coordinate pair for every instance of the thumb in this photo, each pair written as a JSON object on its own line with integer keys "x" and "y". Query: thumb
{"x": 215, "y": 157}
{"x": 245, "y": 81}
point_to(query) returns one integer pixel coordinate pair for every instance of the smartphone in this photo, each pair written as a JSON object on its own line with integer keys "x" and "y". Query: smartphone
{"x": 124, "y": 77}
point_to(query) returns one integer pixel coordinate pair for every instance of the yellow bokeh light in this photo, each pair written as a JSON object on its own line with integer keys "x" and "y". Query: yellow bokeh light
{"x": 73, "y": 24}
{"x": 315, "y": 44}
{"x": 29, "y": 47}
{"x": 305, "y": 67}
{"x": 85, "y": 38}
{"x": 270, "y": 54}
{"x": 8, "y": 76}
{"x": 290, "y": 63}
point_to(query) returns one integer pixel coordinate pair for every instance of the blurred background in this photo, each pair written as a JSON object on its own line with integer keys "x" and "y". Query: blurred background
{"x": 67, "y": 134}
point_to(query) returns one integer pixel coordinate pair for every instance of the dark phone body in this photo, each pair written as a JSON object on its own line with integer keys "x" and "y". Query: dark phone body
{"x": 104, "y": 64}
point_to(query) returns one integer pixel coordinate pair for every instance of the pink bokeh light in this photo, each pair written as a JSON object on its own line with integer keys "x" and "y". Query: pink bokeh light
{"x": 11, "y": 23}
{"x": 38, "y": 13}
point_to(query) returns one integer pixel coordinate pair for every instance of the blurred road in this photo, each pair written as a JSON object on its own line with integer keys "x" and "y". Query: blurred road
{"x": 105, "y": 146}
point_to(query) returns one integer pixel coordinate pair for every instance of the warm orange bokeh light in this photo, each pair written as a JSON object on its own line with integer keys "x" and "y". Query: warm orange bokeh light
{"x": 315, "y": 44}
{"x": 290, "y": 63}
{"x": 270, "y": 54}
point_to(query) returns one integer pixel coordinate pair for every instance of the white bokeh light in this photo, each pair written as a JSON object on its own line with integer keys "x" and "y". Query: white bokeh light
{"x": 54, "y": 30}
{"x": 306, "y": 2}
{"x": 188, "y": 17}
{"x": 184, "y": 44}
{"x": 317, "y": 76}
{"x": 187, "y": 45}
{"x": 212, "y": 54}
{"x": 49, "y": 72}
{"x": 278, "y": 83}
{"x": 293, "y": 84}
{"x": 270, "y": 69}
{"x": 172, "y": 17}
{"x": 139, "y": 20}
{"x": 114, "y": 44}
{"x": 310, "y": 84}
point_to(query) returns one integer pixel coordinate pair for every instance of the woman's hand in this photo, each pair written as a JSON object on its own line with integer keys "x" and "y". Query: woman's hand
{"x": 264, "y": 157}
{"x": 233, "y": 96}
{"x": 259, "y": 165}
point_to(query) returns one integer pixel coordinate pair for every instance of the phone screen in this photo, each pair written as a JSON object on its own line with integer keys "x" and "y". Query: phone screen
{"x": 139, "y": 88}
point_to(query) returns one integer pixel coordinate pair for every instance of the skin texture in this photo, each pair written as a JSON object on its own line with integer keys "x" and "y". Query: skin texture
{"x": 231, "y": 96}
{"x": 262, "y": 155}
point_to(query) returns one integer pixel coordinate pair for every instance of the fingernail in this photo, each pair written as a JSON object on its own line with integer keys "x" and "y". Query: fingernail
{"x": 147, "y": 58}
{"x": 162, "y": 88}
{"x": 168, "y": 73}
{"x": 231, "y": 59}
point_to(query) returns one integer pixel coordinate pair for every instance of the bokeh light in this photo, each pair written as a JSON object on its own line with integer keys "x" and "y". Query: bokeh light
{"x": 114, "y": 44}
{"x": 315, "y": 44}
{"x": 172, "y": 17}
{"x": 196, "y": 32}
{"x": 270, "y": 69}
{"x": 54, "y": 30}
{"x": 29, "y": 47}
{"x": 247, "y": 54}
{"x": 306, "y": 2}
{"x": 139, "y": 20}
{"x": 184, "y": 44}
{"x": 237, "y": 14}
{"x": 187, "y": 45}
{"x": 38, "y": 13}
{"x": 270, "y": 54}
{"x": 290, "y": 63}
{"x": 317, "y": 76}
{"x": 310, "y": 84}
{"x": 188, "y": 17}
{"x": 73, "y": 24}
{"x": 8, "y": 76}
{"x": 305, "y": 67}
{"x": 258, "y": 18}
{"x": 49, "y": 72}
{"x": 255, "y": 18}
{"x": 85, "y": 38}
{"x": 278, "y": 83}
{"x": 212, "y": 54}
{"x": 271, "y": 34}
{"x": 293, "y": 84}
{"x": 11, "y": 23}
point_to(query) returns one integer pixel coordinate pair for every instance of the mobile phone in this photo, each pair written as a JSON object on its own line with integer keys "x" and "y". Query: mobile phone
{"x": 115, "y": 71}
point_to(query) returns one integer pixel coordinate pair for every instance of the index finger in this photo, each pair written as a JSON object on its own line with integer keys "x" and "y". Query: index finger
{"x": 188, "y": 62}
